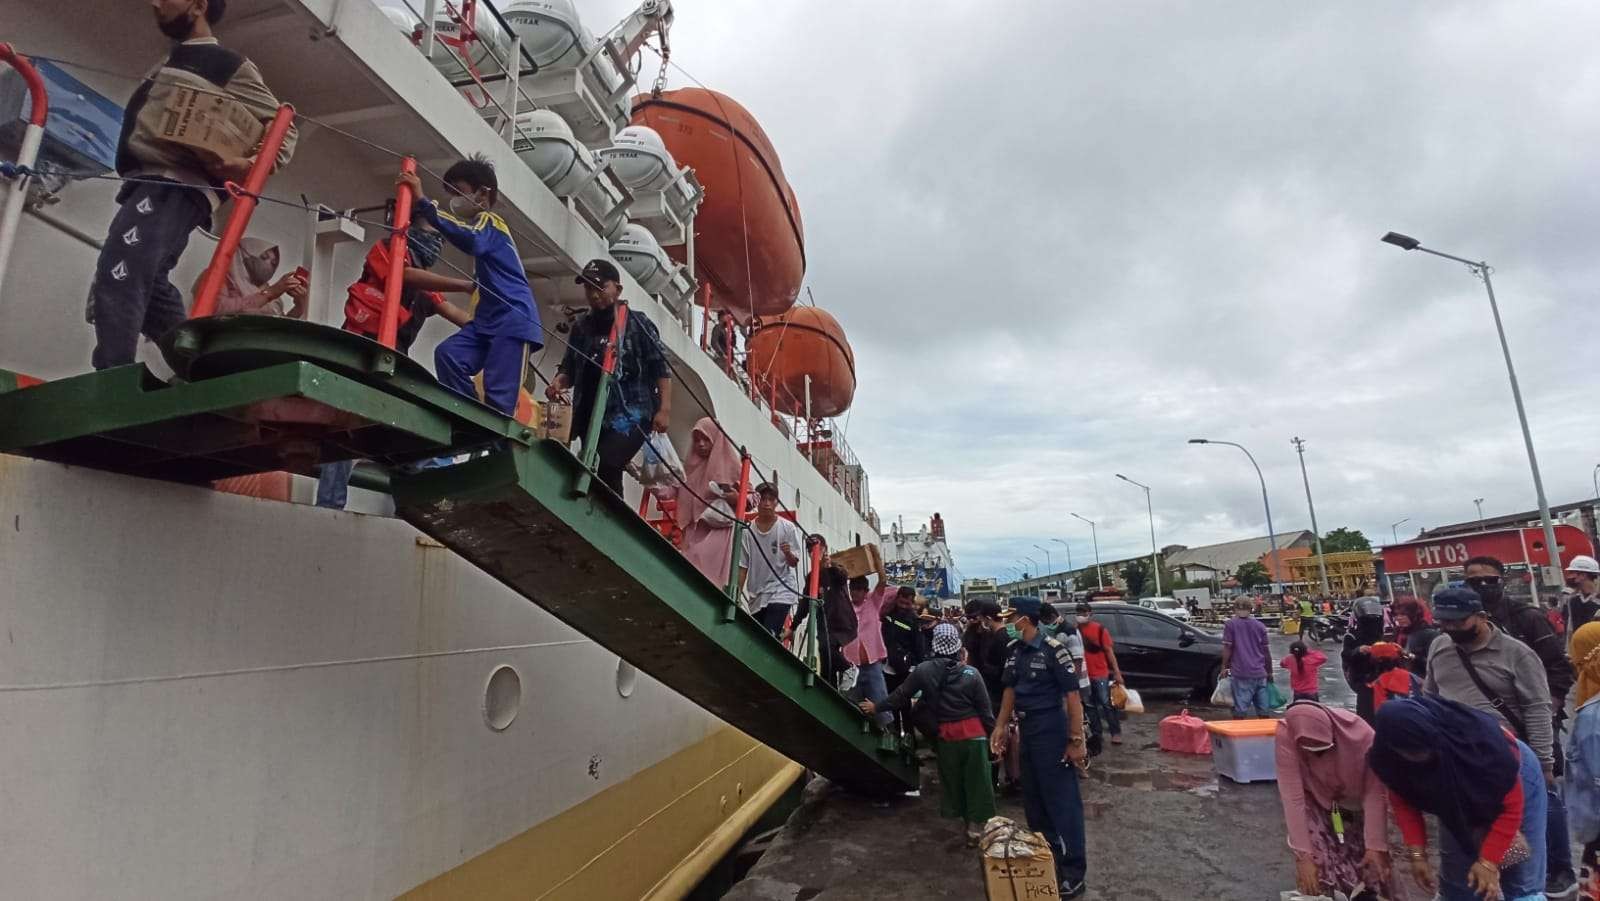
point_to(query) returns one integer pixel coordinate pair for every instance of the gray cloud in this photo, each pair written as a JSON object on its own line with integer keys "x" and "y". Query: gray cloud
{"x": 1064, "y": 238}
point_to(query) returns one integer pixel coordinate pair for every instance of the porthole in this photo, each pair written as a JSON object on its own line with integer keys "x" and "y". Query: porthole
{"x": 502, "y": 698}
{"x": 627, "y": 678}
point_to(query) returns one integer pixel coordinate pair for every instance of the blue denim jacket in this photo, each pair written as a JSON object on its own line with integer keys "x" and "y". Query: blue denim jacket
{"x": 1583, "y": 773}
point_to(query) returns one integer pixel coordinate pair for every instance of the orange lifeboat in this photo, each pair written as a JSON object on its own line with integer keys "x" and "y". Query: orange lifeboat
{"x": 804, "y": 342}
{"x": 749, "y": 242}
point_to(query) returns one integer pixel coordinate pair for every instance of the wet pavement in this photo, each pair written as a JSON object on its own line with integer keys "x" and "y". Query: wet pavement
{"x": 1160, "y": 826}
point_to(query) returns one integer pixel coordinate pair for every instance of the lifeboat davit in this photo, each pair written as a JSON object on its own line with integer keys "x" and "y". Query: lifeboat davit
{"x": 805, "y": 341}
{"x": 749, "y": 243}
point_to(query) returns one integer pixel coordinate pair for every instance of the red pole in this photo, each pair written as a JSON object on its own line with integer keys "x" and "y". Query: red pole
{"x": 814, "y": 582}
{"x": 705, "y": 316}
{"x": 609, "y": 361}
{"x": 389, "y": 323}
{"x": 244, "y": 205}
{"x": 38, "y": 102}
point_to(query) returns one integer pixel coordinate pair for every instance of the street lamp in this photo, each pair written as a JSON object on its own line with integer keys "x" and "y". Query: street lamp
{"x": 1481, "y": 269}
{"x": 1394, "y": 529}
{"x": 1035, "y": 565}
{"x": 1322, "y": 562}
{"x": 1069, "y": 552}
{"x": 1155, "y": 561}
{"x": 1099, "y": 578}
{"x": 1479, "y": 502}
{"x": 1272, "y": 537}
{"x": 1049, "y": 568}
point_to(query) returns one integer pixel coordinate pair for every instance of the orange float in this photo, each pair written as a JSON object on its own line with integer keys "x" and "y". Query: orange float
{"x": 804, "y": 342}
{"x": 749, "y": 242}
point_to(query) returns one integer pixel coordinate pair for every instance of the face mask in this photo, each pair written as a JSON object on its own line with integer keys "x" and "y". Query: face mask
{"x": 1462, "y": 636}
{"x": 1082, "y": 620}
{"x": 462, "y": 206}
{"x": 178, "y": 28}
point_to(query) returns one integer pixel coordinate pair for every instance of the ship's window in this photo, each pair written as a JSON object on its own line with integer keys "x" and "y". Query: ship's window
{"x": 502, "y": 698}
{"x": 627, "y": 678}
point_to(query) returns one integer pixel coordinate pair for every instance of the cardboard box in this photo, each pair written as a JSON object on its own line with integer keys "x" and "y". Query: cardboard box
{"x": 1017, "y": 864}
{"x": 208, "y": 123}
{"x": 555, "y": 421}
{"x": 861, "y": 560}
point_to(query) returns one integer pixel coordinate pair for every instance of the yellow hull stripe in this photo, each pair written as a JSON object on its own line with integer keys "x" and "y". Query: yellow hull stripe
{"x": 653, "y": 836}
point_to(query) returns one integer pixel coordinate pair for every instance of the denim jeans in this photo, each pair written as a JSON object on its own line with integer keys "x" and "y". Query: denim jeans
{"x": 1097, "y": 704}
{"x": 871, "y": 687}
{"x": 333, "y": 483}
{"x": 1523, "y": 882}
{"x": 1250, "y": 692}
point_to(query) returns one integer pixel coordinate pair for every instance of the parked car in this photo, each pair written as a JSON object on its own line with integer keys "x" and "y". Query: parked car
{"x": 1155, "y": 650}
{"x": 1170, "y": 606}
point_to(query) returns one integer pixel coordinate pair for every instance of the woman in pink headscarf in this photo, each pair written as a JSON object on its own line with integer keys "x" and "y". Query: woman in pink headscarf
{"x": 712, "y": 473}
{"x": 1335, "y": 808}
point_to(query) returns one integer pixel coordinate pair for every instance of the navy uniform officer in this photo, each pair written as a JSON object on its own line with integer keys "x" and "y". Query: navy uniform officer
{"x": 1041, "y": 690}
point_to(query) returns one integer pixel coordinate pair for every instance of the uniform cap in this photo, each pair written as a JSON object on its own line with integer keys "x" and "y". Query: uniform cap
{"x": 1026, "y": 606}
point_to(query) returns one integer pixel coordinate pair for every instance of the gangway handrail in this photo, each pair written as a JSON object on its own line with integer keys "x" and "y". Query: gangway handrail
{"x": 244, "y": 206}
{"x": 27, "y": 154}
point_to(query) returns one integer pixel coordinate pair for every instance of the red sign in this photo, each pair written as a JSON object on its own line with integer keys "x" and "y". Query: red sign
{"x": 1509, "y": 546}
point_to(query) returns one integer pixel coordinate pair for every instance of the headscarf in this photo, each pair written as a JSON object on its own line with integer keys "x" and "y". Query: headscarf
{"x": 946, "y": 640}
{"x": 1414, "y": 610}
{"x": 252, "y": 268}
{"x": 1340, "y": 773}
{"x": 1470, "y": 768}
{"x": 721, "y": 464}
{"x": 1585, "y": 651}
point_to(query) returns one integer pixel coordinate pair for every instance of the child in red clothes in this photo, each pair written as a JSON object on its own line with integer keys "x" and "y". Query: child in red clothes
{"x": 1302, "y": 664}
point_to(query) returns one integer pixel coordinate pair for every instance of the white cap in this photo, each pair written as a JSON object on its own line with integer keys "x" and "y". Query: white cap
{"x": 1583, "y": 563}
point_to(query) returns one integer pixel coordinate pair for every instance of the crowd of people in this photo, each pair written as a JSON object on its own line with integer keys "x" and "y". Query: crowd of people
{"x": 1474, "y": 708}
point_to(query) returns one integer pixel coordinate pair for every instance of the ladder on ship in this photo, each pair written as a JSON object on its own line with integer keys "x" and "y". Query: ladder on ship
{"x": 259, "y": 394}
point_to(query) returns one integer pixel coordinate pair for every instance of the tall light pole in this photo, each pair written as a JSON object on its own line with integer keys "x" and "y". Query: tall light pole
{"x": 1272, "y": 537}
{"x": 1049, "y": 567}
{"x": 1035, "y": 565}
{"x": 1479, "y": 502}
{"x": 1394, "y": 529}
{"x": 1155, "y": 558}
{"x": 1099, "y": 577}
{"x": 1596, "y": 475}
{"x": 1322, "y": 562}
{"x": 1069, "y": 552}
{"x": 1481, "y": 269}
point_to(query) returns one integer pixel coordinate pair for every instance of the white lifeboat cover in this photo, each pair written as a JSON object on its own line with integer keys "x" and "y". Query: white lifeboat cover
{"x": 640, "y": 254}
{"x": 551, "y": 32}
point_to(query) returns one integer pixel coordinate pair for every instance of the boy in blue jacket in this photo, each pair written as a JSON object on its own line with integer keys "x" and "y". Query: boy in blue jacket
{"x": 505, "y": 324}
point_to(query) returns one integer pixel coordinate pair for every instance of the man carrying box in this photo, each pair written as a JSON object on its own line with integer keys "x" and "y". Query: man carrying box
{"x": 177, "y": 187}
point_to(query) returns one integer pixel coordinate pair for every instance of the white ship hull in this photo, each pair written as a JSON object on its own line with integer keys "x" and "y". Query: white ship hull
{"x": 204, "y": 695}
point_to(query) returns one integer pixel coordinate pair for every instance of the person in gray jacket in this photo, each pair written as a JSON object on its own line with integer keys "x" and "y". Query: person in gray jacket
{"x": 965, "y": 719}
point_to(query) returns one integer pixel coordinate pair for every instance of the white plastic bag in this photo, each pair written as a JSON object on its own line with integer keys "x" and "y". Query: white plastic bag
{"x": 658, "y": 461}
{"x": 1135, "y": 703}
{"x": 1223, "y": 696}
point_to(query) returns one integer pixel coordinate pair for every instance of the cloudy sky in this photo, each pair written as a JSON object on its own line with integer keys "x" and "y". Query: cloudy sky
{"x": 1065, "y": 237}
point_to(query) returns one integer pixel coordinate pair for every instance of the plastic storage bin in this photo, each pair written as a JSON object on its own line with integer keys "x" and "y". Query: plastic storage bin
{"x": 1243, "y": 750}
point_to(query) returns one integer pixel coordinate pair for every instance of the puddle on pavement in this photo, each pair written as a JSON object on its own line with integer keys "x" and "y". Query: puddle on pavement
{"x": 1203, "y": 785}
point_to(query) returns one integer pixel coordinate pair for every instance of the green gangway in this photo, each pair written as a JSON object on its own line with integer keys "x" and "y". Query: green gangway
{"x": 258, "y": 394}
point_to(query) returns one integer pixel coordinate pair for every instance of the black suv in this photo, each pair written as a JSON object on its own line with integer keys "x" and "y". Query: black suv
{"x": 1156, "y": 651}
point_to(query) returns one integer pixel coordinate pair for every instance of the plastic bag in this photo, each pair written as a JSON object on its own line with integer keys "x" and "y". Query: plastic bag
{"x": 1275, "y": 695}
{"x": 1184, "y": 734}
{"x": 658, "y": 462}
{"x": 1132, "y": 703}
{"x": 1223, "y": 696}
{"x": 1119, "y": 696}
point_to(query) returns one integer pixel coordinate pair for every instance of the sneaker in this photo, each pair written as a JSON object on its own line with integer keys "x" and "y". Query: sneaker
{"x": 1073, "y": 889}
{"x": 1562, "y": 887}
{"x": 974, "y": 833}
{"x": 1116, "y": 739}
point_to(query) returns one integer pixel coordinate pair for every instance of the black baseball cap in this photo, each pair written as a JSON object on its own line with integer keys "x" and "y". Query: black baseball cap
{"x": 597, "y": 272}
{"x": 1456, "y": 603}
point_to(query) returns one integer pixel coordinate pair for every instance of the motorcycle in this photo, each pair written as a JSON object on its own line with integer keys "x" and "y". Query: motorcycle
{"x": 1323, "y": 628}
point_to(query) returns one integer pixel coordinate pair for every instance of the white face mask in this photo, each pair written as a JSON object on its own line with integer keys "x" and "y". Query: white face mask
{"x": 462, "y": 206}
{"x": 1082, "y": 620}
